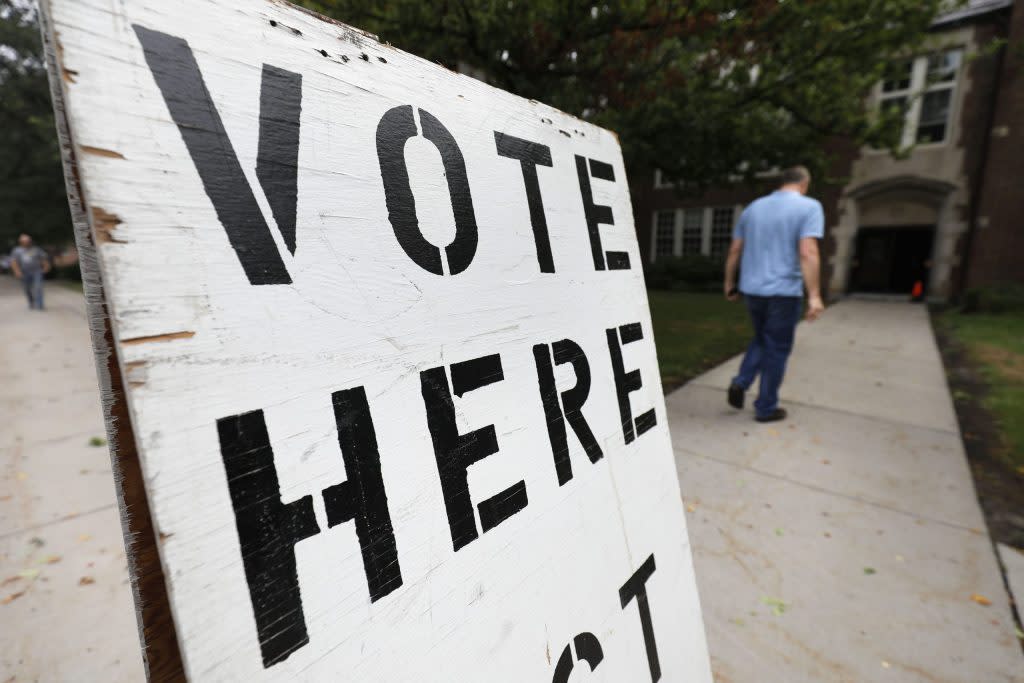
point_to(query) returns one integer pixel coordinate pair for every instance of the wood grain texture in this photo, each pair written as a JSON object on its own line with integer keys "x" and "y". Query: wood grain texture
{"x": 345, "y": 369}
{"x": 160, "y": 652}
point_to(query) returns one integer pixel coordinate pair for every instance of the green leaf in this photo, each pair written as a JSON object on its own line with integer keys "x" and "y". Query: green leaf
{"x": 778, "y": 606}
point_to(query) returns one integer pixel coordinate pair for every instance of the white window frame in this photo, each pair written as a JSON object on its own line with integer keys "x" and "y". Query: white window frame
{"x": 659, "y": 180}
{"x": 677, "y": 234}
{"x": 914, "y": 94}
{"x": 709, "y": 214}
{"x": 703, "y": 230}
{"x": 679, "y": 225}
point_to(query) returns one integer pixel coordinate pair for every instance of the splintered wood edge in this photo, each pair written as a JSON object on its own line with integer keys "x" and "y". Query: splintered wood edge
{"x": 160, "y": 650}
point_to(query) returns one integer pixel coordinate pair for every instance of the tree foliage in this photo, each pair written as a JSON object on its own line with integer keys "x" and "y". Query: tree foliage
{"x": 32, "y": 197}
{"x": 707, "y": 90}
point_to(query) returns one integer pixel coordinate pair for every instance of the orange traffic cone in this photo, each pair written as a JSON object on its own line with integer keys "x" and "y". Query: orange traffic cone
{"x": 917, "y": 292}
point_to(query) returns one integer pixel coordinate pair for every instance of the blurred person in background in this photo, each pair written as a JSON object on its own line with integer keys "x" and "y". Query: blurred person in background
{"x": 30, "y": 264}
{"x": 776, "y": 239}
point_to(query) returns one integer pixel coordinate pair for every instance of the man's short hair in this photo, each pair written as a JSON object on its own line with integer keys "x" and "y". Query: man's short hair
{"x": 794, "y": 175}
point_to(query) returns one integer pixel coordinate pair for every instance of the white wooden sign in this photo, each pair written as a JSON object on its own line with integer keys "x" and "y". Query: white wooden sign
{"x": 383, "y": 342}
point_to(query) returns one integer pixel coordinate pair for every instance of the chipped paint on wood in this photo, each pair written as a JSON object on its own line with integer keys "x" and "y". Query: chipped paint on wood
{"x": 99, "y": 151}
{"x": 169, "y": 336}
{"x": 104, "y": 224}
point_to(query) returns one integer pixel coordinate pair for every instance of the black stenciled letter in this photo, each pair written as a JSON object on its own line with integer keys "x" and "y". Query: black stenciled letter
{"x": 362, "y": 496}
{"x": 277, "y": 162}
{"x": 267, "y": 532}
{"x": 596, "y": 214}
{"x": 394, "y": 129}
{"x": 588, "y": 649}
{"x": 636, "y": 587}
{"x": 177, "y": 74}
{"x": 628, "y": 382}
{"x": 530, "y": 155}
{"x": 455, "y": 452}
{"x": 566, "y": 351}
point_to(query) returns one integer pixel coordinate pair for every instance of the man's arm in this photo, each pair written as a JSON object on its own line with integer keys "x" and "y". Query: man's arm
{"x": 15, "y": 267}
{"x": 810, "y": 264}
{"x": 732, "y": 262}
{"x": 47, "y": 263}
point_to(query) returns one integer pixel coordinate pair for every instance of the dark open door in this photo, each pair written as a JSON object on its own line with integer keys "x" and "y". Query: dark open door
{"x": 891, "y": 260}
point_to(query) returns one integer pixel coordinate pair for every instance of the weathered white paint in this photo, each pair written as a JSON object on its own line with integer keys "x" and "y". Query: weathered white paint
{"x": 197, "y": 343}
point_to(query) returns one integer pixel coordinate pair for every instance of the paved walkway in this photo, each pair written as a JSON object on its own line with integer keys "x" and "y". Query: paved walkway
{"x": 66, "y": 611}
{"x": 846, "y": 543}
{"x": 842, "y": 545}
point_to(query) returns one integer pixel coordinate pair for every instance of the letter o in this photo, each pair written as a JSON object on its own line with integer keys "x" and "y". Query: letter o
{"x": 394, "y": 129}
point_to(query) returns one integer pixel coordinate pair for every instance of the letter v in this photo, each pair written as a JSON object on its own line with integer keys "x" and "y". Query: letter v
{"x": 177, "y": 74}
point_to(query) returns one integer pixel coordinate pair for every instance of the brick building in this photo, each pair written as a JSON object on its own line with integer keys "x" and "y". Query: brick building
{"x": 949, "y": 214}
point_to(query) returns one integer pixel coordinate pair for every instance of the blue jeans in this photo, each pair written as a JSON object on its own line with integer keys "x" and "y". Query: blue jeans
{"x": 774, "y": 319}
{"x": 33, "y": 284}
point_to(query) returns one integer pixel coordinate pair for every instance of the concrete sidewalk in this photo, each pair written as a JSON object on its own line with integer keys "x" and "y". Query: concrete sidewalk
{"x": 66, "y": 610}
{"x": 846, "y": 543}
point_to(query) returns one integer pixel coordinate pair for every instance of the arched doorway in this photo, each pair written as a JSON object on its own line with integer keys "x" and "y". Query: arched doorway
{"x": 901, "y": 225}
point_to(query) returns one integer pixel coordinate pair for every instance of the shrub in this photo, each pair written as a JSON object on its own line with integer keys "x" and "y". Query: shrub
{"x": 70, "y": 272}
{"x": 693, "y": 272}
{"x": 1004, "y": 298}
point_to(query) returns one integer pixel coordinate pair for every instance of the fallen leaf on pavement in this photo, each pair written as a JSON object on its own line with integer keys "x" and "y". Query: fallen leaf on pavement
{"x": 4, "y": 499}
{"x": 10, "y": 579}
{"x": 11, "y": 598}
{"x": 22, "y": 476}
{"x": 86, "y": 580}
{"x": 1020, "y": 634}
{"x": 826, "y": 462}
{"x": 773, "y": 432}
{"x": 869, "y": 571}
{"x": 981, "y": 599}
{"x": 28, "y": 573}
{"x": 779, "y": 532}
{"x": 885, "y": 664}
{"x": 37, "y": 542}
{"x": 778, "y": 606}
{"x": 692, "y": 507}
{"x": 96, "y": 442}
{"x": 84, "y": 537}
{"x": 52, "y": 559}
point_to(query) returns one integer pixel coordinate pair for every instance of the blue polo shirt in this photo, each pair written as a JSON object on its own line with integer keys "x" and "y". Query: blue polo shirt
{"x": 771, "y": 229}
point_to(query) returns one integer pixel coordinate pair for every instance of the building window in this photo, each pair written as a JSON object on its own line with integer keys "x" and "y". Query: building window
{"x": 940, "y": 77}
{"x": 660, "y": 181}
{"x": 721, "y": 230}
{"x": 922, "y": 89}
{"x": 664, "y": 233}
{"x": 693, "y": 231}
{"x": 898, "y": 76}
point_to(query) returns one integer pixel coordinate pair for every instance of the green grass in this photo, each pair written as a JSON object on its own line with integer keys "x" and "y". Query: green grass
{"x": 996, "y": 343}
{"x": 695, "y": 332}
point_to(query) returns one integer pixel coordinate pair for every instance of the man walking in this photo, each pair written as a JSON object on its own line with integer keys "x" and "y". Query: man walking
{"x": 29, "y": 264}
{"x": 776, "y": 239}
